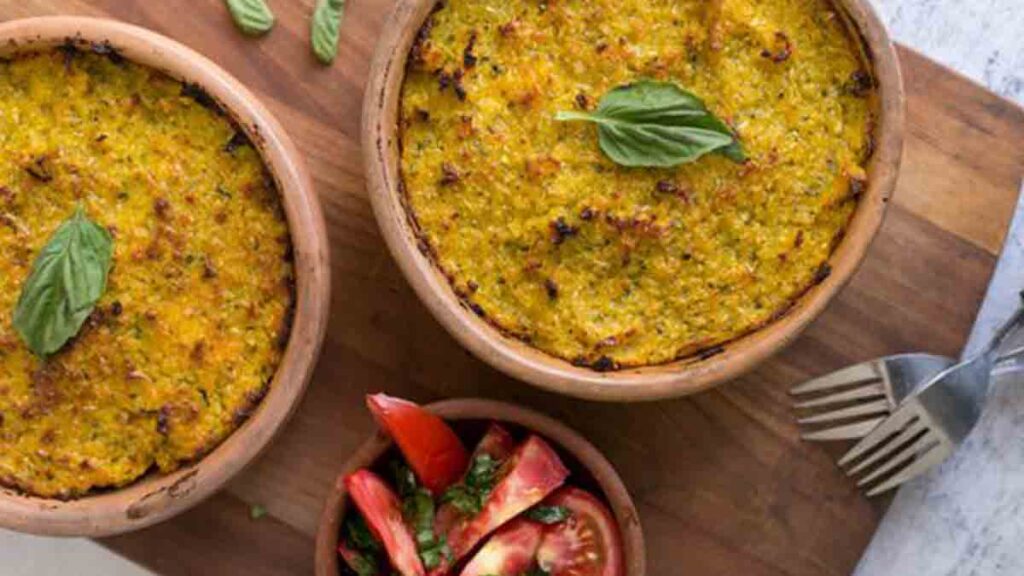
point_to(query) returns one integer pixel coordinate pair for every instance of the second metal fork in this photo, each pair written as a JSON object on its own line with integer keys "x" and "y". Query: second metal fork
{"x": 930, "y": 423}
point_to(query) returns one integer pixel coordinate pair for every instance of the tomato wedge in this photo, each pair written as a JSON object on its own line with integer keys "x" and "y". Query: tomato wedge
{"x": 497, "y": 443}
{"x": 382, "y": 511}
{"x": 529, "y": 475}
{"x": 510, "y": 551}
{"x": 586, "y": 544}
{"x": 430, "y": 447}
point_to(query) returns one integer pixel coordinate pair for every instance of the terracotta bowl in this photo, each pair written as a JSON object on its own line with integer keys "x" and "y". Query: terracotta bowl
{"x": 157, "y": 497}
{"x": 469, "y": 417}
{"x": 681, "y": 377}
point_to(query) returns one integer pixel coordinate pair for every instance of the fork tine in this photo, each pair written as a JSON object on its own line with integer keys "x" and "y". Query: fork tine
{"x": 920, "y": 446}
{"x": 860, "y": 393}
{"x": 894, "y": 423}
{"x": 845, "y": 432}
{"x": 926, "y": 461}
{"x": 863, "y": 372}
{"x": 906, "y": 435}
{"x": 867, "y": 409}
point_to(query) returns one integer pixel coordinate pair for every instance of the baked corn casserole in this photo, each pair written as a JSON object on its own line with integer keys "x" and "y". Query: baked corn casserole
{"x": 607, "y": 266}
{"x": 185, "y": 340}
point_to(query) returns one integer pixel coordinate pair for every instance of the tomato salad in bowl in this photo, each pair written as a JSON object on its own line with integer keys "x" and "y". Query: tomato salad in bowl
{"x": 477, "y": 488}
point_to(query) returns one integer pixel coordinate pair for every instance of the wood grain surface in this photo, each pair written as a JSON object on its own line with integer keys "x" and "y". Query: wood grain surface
{"x": 722, "y": 483}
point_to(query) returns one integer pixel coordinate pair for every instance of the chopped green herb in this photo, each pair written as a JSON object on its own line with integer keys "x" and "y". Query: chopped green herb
{"x": 359, "y": 536}
{"x": 405, "y": 480}
{"x": 418, "y": 509}
{"x": 257, "y": 511}
{"x": 548, "y": 514}
{"x": 469, "y": 496}
{"x": 361, "y": 563}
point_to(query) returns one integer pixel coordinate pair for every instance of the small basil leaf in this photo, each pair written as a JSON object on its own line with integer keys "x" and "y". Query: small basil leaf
{"x": 548, "y": 514}
{"x": 359, "y": 535}
{"x": 67, "y": 279}
{"x": 362, "y": 565}
{"x": 657, "y": 124}
{"x": 253, "y": 17}
{"x": 324, "y": 29}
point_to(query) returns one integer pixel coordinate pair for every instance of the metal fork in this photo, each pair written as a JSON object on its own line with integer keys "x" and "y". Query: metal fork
{"x": 848, "y": 403}
{"x": 929, "y": 424}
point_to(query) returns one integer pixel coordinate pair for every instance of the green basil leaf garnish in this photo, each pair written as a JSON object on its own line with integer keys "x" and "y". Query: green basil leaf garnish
{"x": 359, "y": 535}
{"x": 67, "y": 279}
{"x": 657, "y": 124}
{"x": 253, "y": 17}
{"x": 363, "y": 566}
{"x": 469, "y": 496}
{"x": 324, "y": 29}
{"x": 548, "y": 514}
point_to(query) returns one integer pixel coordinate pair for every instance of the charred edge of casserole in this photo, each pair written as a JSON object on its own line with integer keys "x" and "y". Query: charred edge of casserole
{"x": 690, "y": 354}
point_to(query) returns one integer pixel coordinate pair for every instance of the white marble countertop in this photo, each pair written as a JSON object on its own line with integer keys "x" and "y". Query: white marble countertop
{"x": 982, "y": 39}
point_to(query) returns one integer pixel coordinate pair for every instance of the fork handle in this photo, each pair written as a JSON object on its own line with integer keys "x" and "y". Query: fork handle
{"x": 1004, "y": 330}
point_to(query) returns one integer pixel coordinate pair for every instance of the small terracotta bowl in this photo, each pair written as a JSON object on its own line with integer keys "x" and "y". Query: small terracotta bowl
{"x": 686, "y": 375}
{"x": 157, "y": 497}
{"x": 590, "y": 470}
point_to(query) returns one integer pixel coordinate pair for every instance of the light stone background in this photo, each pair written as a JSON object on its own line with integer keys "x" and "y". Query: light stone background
{"x": 983, "y": 39}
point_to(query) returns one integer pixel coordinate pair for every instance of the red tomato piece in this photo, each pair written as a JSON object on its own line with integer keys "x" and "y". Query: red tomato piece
{"x": 529, "y": 475}
{"x": 429, "y": 446}
{"x": 497, "y": 443}
{"x": 355, "y": 560}
{"x": 510, "y": 551}
{"x": 382, "y": 511}
{"x": 587, "y": 543}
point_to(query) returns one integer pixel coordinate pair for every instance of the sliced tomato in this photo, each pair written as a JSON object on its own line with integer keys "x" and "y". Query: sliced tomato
{"x": 382, "y": 511}
{"x": 532, "y": 472}
{"x": 359, "y": 563}
{"x": 587, "y": 543}
{"x": 431, "y": 447}
{"x": 497, "y": 443}
{"x": 510, "y": 551}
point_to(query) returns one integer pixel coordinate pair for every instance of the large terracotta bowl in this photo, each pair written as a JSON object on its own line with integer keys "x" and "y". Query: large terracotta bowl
{"x": 157, "y": 497}
{"x": 590, "y": 470}
{"x": 681, "y": 377}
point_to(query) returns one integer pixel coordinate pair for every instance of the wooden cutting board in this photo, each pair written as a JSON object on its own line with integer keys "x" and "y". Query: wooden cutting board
{"x": 722, "y": 482}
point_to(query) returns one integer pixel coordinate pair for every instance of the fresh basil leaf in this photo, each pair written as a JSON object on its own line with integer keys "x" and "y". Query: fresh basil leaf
{"x": 464, "y": 499}
{"x": 657, "y": 124}
{"x": 482, "y": 472}
{"x": 469, "y": 496}
{"x": 324, "y": 28}
{"x": 253, "y": 17}
{"x": 359, "y": 535}
{"x": 257, "y": 511}
{"x": 67, "y": 279}
{"x": 548, "y": 514}
{"x": 362, "y": 565}
{"x": 405, "y": 480}
{"x": 433, "y": 555}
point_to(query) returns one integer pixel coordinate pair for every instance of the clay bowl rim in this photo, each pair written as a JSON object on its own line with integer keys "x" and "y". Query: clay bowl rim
{"x": 155, "y": 497}
{"x": 565, "y": 439}
{"x": 678, "y": 378}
